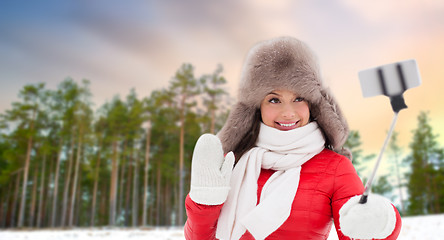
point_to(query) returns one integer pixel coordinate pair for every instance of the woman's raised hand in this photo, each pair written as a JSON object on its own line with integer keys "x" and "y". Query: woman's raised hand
{"x": 210, "y": 171}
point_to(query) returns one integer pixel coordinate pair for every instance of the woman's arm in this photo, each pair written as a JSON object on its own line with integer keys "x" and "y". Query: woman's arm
{"x": 210, "y": 184}
{"x": 347, "y": 185}
{"x": 202, "y": 220}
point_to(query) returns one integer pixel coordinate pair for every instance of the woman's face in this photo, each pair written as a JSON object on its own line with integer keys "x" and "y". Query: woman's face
{"x": 284, "y": 110}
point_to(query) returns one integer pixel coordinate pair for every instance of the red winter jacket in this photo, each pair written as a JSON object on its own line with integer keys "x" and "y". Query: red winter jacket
{"x": 327, "y": 181}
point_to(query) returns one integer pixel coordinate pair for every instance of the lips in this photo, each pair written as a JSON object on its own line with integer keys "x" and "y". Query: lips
{"x": 287, "y": 125}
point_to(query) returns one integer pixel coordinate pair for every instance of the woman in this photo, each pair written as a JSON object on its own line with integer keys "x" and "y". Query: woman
{"x": 291, "y": 176}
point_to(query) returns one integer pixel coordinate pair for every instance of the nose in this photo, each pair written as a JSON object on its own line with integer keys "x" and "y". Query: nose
{"x": 288, "y": 112}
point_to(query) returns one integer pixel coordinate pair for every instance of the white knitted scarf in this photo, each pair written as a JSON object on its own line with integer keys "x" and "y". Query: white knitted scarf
{"x": 283, "y": 151}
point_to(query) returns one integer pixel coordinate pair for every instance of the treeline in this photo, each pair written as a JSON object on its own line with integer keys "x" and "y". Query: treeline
{"x": 65, "y": 164}
{"x": 416, "y": 177}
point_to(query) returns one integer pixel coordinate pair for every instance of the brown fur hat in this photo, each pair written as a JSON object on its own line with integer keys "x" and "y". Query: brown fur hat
{"x": 278, "y": 64}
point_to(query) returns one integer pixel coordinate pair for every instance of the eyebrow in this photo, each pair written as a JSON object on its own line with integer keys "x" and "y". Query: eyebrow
{"x": 279, "y": 95}
{"x": 273, "y": 93}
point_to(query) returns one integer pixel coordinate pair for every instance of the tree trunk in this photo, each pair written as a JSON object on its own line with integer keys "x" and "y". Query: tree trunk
{"x": 56, "y": 185}
{"x": 8, "y": 203}
{"x": 77, "y": 204}
{"x": 158, "y": 194}
{"x": 176, "y": 196}
{"x": 26, "y": 172}
{"x": 428, "y": 187}
{"x": 104, "y": 206}
{"x": 31, "y": 219}
{"x": 47, "y": 194}
{"x": 398, "y": 177}
{"x": 46, "y": 209}
{"x": 167, "y": 206}
{"x": 128, "y": 190}
{"x": 67, "y": 182}
{"x": 76, "y": 175}
{"x": 436, "y": 197}
{"x": 135, "y": 203}
{"x": 113, "y": 189}
{"x": 16, "y": 197}
{"x": 3, "y": 203}
{"x": 96, "y": 183}
{"x": 151, "y": 210}
{"x": 122, "y": 181}
{"x": 42, "y": 189}
{"x": 145, "y": 180}
{"x": 181, "y": 160}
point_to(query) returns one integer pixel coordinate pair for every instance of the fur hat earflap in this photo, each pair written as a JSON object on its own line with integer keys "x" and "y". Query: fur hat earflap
{"x": 237, "y": 125}
{"x": 283, "y": 63}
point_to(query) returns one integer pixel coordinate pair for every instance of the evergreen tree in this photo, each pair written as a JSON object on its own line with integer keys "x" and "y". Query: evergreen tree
{"x": 163, "y": 154}
{"x": 383, "y": 187}
{"x": 184, "y": 87}
{"x": 134, "y": 133}
{"x": 212, "y": 88}
{"x": 74, "y": 115}
{"x": 116, "y": 115}
{"x": 353, "y": 144}
{"x": 395, "y": 152}
{"x": 28, "y": 115}
{"x": 425, "y": 180}
{"x": 99, "y": 126}
{"x": 83, "y": 120}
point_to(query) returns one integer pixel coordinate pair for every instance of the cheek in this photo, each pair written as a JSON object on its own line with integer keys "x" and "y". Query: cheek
{"x": 268, "y": 115}
{"x": 305, "y": 112}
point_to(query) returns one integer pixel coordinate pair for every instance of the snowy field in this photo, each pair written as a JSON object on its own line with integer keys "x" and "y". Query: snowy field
{"x": 419, "y": 228}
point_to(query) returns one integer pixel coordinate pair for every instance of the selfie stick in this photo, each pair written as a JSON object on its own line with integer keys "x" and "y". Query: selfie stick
{"x": 390, "y": 80}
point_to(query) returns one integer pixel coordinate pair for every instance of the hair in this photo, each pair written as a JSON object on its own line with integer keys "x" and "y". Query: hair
{"x": 248, "y": 141}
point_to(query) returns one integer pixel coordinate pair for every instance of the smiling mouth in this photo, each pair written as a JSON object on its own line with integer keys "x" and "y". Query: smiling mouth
{"x": 287, "y": 124}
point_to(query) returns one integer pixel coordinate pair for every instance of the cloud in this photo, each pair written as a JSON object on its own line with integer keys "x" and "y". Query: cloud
{"x": 120, "y": 45}
{"x": 380, "y": 11}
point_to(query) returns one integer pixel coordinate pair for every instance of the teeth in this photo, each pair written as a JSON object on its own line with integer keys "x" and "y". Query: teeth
{"x": 287, "y": 125}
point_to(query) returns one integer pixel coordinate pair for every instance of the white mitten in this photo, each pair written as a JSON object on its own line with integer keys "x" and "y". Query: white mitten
{"x": 210, "y": 171}
{"x": 375, "y": 219}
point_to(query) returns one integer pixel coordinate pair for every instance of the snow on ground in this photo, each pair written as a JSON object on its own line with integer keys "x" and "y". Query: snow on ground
{"x": 414, "y": 228}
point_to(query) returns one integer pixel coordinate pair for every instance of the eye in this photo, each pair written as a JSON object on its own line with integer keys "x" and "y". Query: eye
{"x": 299, "y": 99}
{"x": 274, "y": 100}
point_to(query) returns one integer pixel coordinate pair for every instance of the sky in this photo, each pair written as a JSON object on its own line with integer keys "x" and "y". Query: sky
{"x": 120, "y": 45}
